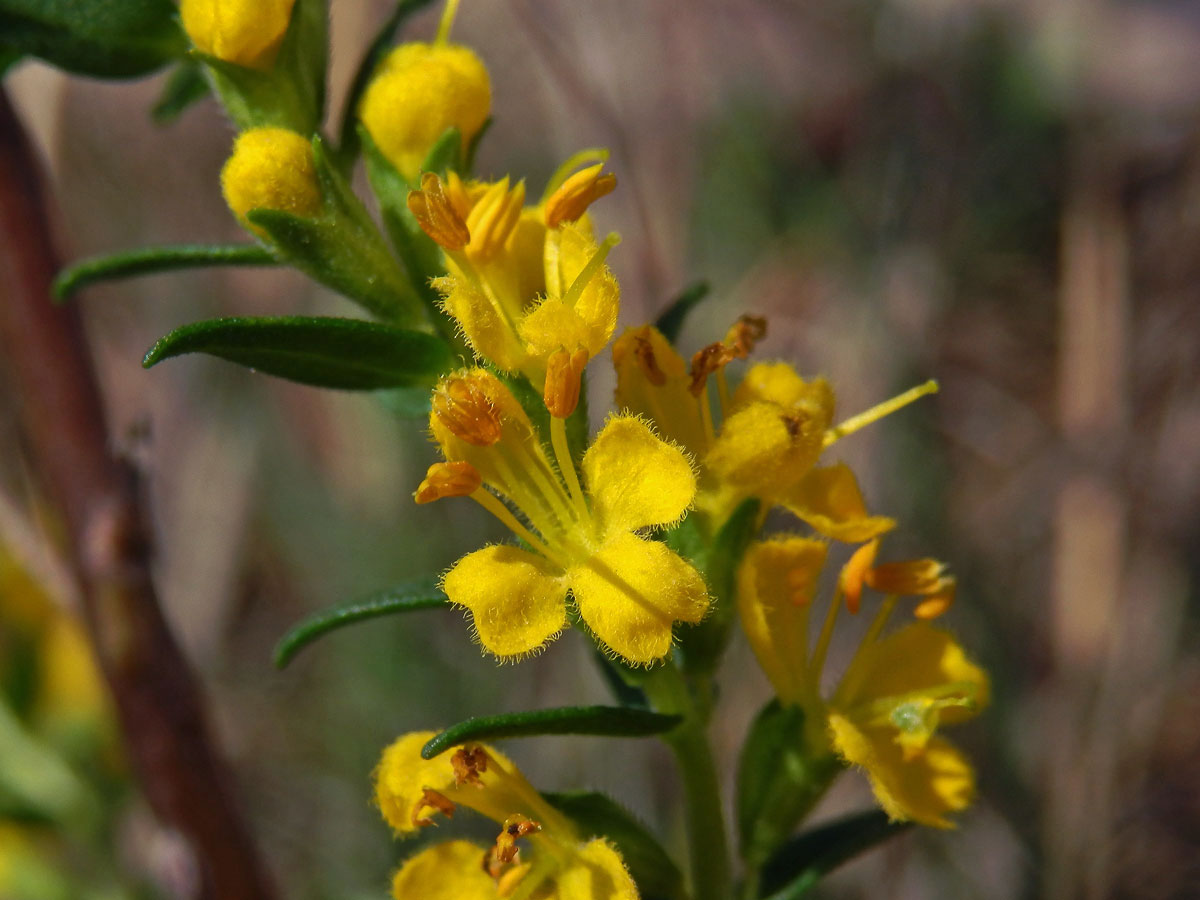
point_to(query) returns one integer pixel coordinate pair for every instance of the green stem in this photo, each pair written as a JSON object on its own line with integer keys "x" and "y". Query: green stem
{"x": 707, "y": 846}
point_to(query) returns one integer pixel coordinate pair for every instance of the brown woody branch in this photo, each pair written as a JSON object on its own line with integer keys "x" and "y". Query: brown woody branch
{"x": 158, "y": 701}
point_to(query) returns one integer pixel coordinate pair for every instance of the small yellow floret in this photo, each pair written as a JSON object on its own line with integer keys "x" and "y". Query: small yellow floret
{"x": 419, "y": 91}
{"x": 245, "y": 32}
{"x": 271, "y": 168}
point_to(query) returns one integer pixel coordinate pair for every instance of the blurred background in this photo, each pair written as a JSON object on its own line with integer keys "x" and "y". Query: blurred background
{"x": 1000, "y": 194}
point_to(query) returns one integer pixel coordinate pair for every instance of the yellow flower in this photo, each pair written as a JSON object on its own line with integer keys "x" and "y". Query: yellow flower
{"x": 419, "y": 91}
{"x": 410, "y": 790}
{"x": 524, "y": 282}
{"x": 628, "y": 589}
{"x": 271, "y": 168}
{"x": 245, "y": 32}
{"x": 886, "y": 711}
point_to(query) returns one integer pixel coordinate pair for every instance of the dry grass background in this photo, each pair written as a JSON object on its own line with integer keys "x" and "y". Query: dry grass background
{"x": 1002, "y": 195}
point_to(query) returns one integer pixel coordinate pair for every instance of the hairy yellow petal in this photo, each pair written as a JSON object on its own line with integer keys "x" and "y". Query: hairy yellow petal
{"x": 652, "y": 381}
{"x": 918, "y": 660}
{"x": 764, "y": 451}
{"x": 779, "y": 383}
{"x": 486, "y": 329}
{"x": 402, "y": 777}
{"x": 449, "y": 871}
{"x": 828, "y": 498}
{"x": 516, "y": 598}
{"x": 632, "y": 591}
{"x": 924, "y": 788}
{"x": 635, "y": 479}
{"x": 595, "y": 872}
{"x": 776, "y": 583}
{"x": 418, "y": 92}
{"x": 245, "y": 32}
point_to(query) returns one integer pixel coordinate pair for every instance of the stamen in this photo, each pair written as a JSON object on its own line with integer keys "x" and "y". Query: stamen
{"x": 914, "y": 577}
{"x": 705, "y": 361}
{"x": 502, "y": 512}
{"x": 436, "y": 215}
{"x": 745, "y": 333}
{"x": 854, "y": 573}
{"x": 577, "y": 193}
{"x": 822, "y": 648}
{"x": 447, "y": 22}
{"x": 463, "y": 408}
{"x": 566, "y": 465}
{"x": 564, "y": 371}
{"x": 936, "y": 604}
{"x": 571, "y": 297}
{"x": 434, "y": 802}
{"x": 875, "y": 413}
{"x": 448, "y": 479}
{"x": 504, "y": 851}
{"x": 493, "y": 219}
{"x": 469, "y": 763}
{"x": 574, "y": 161}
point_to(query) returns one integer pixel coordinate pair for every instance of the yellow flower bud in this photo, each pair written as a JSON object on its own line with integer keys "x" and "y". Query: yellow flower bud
{"x": 419, "y": 91}
{"x": 271, "y": 168}
{"x": 245, "y": 32}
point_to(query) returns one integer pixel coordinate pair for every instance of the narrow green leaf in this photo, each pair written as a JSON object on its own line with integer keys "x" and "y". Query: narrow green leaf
{"x": 610, "y": 721}
{"x": 473, "y": 146}
{"x": 806, "y": 859}
{"x": 186, "y": 85}
{"x": 670, "y": 323}
{"x": 703, "y": 644}
{"x": 347, "y": 354}
{"x": 97, "y": 38}
{"x": 348, "y": 135}
{"x": 597, "y": 815}
{"x": 779, "y": 780}
{"x": 420, "y": 594}
{"x": 149, "y": 260}
{"x": 445, "y": 154}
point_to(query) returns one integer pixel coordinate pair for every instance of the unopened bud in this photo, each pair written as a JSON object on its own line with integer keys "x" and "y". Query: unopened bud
{"x": 245, "y": 32}
{"x": 464, "y": 409}
{"x": 452, "y": 479}
{"x": 436, "y": 214}
{"x": 577, "y": 193}
{"x": 563, "y": 373}
{"x": 271, "y": 168}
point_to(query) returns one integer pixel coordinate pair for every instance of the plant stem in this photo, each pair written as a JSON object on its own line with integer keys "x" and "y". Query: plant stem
{"x": 707, "y": 845}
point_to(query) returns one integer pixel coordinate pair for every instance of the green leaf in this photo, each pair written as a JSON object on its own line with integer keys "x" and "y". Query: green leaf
{"x": 670, "y": 323}
{"x": 98, "y": 38}
{"x": 624, "y": 681}
{"x": 348, "y": 354}
{"x": 348, "y": 134}
{"x": 420, "y": 594}
{"x": 597, "y": 815}
{"x": 186, "y": 85}
{"x": 809, "y": 857}
{"x": 609, "y": 721}
{"x": 149, "y": 260}
{"x": 703, "y": 644}
{"x": 779, "y": 780}
{"x": 445, "y": 154}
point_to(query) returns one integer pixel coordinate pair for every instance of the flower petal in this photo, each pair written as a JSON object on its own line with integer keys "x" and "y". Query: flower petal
{"x": 652, "y": 381}
{"x": 402, "y": 777}
{"x": 828, "y": 498}
{"x": 486, "y": 330}
{"x": 764, "y": 450}
{"x": 775, "y": 587}
{"x": 636, "y": 479}
{"x": 918, "y": 660}
{"x": 632, "y": 592}
{"x": 448, "y": 871}
{"x": 595, "y": 872}
{"x": 779, "y": 384}
{"x": 516, "y": 598}
{"x": 923, "y": 788}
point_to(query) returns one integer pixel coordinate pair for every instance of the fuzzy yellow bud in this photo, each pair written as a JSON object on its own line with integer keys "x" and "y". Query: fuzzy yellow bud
{"x": 271, "y": 168}
{"x": 419, "y": 91}
{"x": 245, "y": 32}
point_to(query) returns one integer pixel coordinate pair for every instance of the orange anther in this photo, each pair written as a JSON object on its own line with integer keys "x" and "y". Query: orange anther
{"x": 705, "y": 362}
{"x": 935, "y": 604}
{"x": 436, "y": 214}
{"x": 563, "y": 373}
{"x": 577, "y": 193}
{"x": 462, "y": 406}
{"x": 643, "y": 353}
{"x": 745, "y": 333}
{"x": 469, "y": 763}
{"x": 452, "y": 479}
{"x": 434, "y": 802}
{"x": 909, "y": 578}
{"x": 855, "y": 571}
